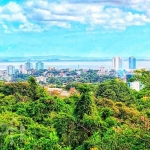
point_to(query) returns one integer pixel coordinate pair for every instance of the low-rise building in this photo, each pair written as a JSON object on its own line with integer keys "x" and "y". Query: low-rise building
{"x": 51, "y": 68}
{"x": 136, "y": 85}
{"x": 59, "y": 91}
{"x": 41, "y": 79}
{"x": 3, "y": 73}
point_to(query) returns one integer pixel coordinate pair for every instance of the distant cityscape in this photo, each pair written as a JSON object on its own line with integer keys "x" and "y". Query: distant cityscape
{"x": 117, "y": 64}
{"x": 43, "y": 74}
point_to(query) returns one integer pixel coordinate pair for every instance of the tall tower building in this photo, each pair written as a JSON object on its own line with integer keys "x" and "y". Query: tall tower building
{"x": 10, "y": 70}
{"x": 132, "y": 62}
{"x": 39, "y": 65}
{"x": 22, "y": 69}
{"x": 28, "y": 66}
{"x": 117, "y": 63}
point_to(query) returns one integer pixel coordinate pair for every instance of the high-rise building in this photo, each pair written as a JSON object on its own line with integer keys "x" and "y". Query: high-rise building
{"x": 117, "y": 63}
{"x": 28, "y": 65}
{"x": 22, "y": 69}
{"x": 132, "y": 62}
{"x": 39, "y": 65}
{"x": 10, "y": 70}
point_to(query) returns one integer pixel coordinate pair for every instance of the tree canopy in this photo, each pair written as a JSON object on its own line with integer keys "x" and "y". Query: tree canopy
{"x": 97, "y": 117}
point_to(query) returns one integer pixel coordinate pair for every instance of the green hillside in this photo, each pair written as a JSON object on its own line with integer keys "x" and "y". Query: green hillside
{"x": 107, "y": 116}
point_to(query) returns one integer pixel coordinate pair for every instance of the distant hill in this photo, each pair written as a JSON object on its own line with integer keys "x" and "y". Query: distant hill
{"x": 61, "y": 58}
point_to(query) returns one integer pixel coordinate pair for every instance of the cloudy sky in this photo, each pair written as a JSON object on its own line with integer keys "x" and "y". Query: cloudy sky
{"x": 93, "y": 28}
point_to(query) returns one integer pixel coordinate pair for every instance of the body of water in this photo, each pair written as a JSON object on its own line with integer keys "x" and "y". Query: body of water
{"x": 77, "y": 64}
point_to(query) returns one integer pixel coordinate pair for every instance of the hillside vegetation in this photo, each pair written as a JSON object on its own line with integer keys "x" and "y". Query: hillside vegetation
{"x": 107, "y": 116}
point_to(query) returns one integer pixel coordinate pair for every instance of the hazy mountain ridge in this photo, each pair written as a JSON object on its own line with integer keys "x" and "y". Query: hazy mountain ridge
{"x": 61, "y": 58}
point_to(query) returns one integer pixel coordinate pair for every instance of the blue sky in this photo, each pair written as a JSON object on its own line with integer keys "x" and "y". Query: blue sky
{"x": 93, "y": 28}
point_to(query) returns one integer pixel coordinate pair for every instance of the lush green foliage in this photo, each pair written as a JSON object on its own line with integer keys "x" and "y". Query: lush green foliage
{"x": 117, "y": 91}
{"x": 98, "y": 117}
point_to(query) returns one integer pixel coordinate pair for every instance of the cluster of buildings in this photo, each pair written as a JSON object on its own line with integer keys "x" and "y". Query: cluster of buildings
{"x": 24, "y": 68}
{"x": 117, "y": 63}
{"x": 125, "y": 75}
{"x": 116, "y": 70}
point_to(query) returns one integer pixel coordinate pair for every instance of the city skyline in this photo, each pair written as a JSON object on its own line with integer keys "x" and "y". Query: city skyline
{"x": 71, "y": 27}
{"x": 117, "y": 64}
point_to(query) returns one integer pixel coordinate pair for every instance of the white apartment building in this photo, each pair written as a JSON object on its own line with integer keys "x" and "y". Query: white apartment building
{"x": 117, "y": 63}
{"x": 41, "y": 78}
{"x": 22, "y": 69}
{"x": 136, "y": 85}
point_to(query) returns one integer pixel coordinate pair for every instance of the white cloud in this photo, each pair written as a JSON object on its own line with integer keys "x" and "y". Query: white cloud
{"x": 27, "y": 27}
{"x": 12, "y": 12}
{"x": 88, "y": 14}
{"x": 41, "y": 14}
{"x": 5, "y": 28}
{"x": 140, "y": 5}
{"x": 59, "y": 24}
{"x": 19, "y": 17}
{"x": 12, "y": 8}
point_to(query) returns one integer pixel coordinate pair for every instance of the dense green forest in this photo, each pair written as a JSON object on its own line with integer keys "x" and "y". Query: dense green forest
{"x": 104, "y": 116}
